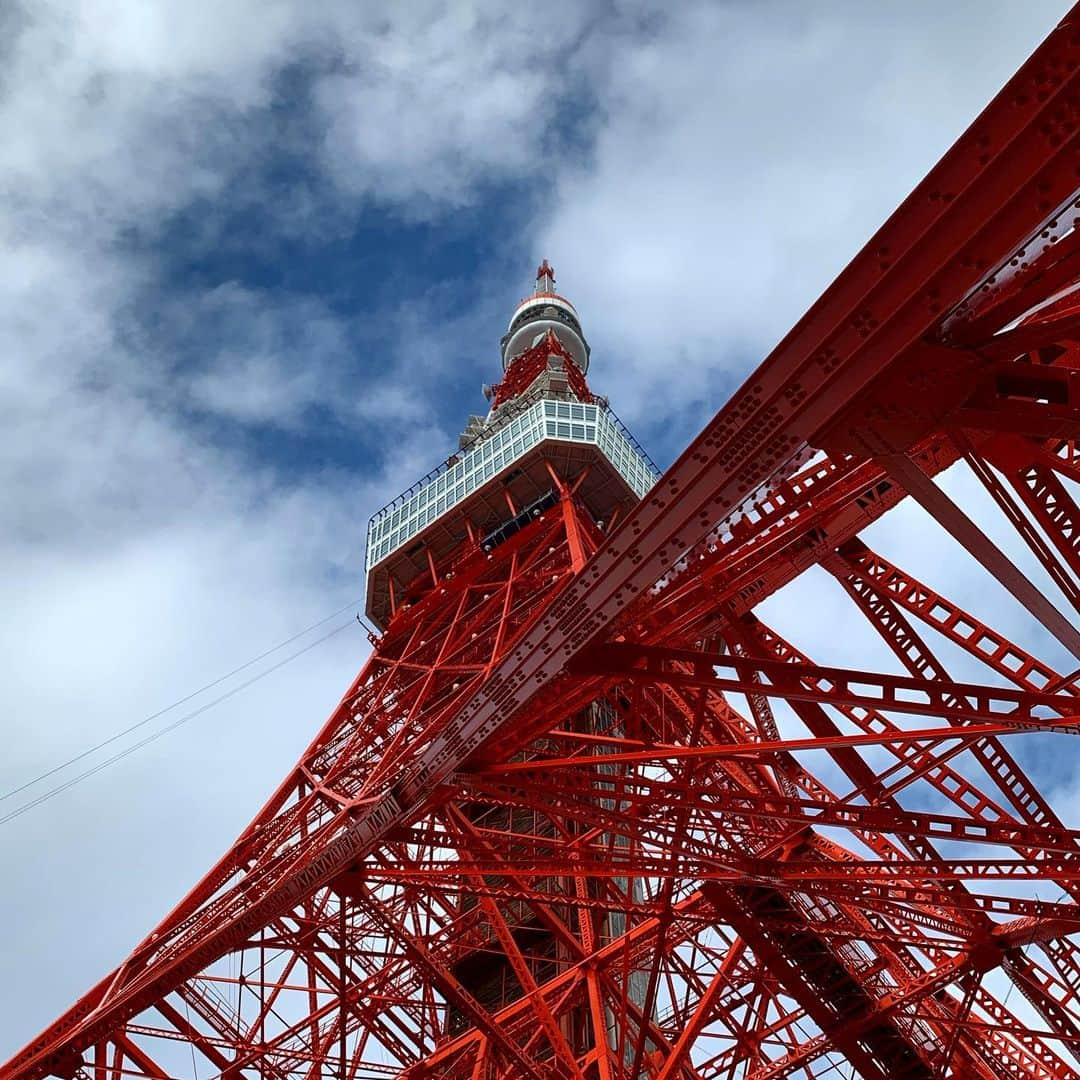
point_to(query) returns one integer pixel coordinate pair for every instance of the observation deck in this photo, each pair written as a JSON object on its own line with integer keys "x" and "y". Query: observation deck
{"x": 546, "y": 432}
{"x": 487, "y": 485}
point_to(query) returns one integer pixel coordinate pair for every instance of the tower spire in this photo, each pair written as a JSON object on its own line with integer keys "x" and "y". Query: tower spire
{"x": 545, "y": 279}
{"x": 545, "y": 310}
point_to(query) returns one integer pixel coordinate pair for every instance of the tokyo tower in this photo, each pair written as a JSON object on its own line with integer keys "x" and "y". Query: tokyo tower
{"x": 584, "y": 814}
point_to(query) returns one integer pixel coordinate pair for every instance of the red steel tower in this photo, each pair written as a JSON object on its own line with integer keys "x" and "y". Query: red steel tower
{"x": 584, "y": 815}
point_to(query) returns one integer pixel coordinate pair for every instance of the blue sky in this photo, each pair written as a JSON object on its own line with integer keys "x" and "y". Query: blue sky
{"x": 257, "y": 259}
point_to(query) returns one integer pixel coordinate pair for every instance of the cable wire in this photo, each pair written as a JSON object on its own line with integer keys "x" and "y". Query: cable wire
{"x": 176, "y": 704}
{"x": 53, "y": 792}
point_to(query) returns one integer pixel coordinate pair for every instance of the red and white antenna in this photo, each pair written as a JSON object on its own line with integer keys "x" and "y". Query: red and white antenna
{"x": 545, "y": 278}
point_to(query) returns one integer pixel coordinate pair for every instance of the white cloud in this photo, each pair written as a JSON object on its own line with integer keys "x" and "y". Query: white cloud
{"x": 742, "y": 155}
{"x": 140, "y": 557}
{"x": 440, "y": 100}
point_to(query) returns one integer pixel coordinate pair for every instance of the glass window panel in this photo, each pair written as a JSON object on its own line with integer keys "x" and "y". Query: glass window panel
{"x": 402, "y": 520}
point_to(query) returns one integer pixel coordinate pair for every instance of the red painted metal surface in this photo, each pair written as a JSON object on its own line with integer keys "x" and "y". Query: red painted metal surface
{"x": 525, "y": 369}
{"x": 584, "y": 814}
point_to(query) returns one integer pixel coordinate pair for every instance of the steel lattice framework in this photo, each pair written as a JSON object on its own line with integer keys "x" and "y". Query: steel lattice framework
{"x": 555, "y": 829}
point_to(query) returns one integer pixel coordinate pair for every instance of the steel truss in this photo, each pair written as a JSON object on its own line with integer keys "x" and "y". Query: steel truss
{"x": 584, "y": 814}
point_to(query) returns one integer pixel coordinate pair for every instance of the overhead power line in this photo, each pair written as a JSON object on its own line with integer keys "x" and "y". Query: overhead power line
{"x": 52, "y": 792}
